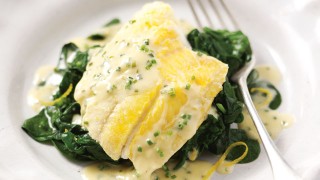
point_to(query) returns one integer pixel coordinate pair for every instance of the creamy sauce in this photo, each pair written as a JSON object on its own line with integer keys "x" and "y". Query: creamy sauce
{"x": 269, "y": 73}
{"x": 45, "y": 84}
{"x": 190, "y": 171}
{"x": 273, "y": 120}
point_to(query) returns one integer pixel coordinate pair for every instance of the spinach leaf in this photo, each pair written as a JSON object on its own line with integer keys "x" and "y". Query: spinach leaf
{"x": 232, "y": 106}
{"x": 276, "y": 101}
{"x": 38, "y": 127}
{"x": 79, "y": 62}
{"x": 66, "y": 52}
{"x": 252, "y": 78}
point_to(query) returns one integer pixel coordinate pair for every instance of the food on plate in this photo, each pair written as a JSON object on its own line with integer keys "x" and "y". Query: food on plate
{"x": 148, "y": 82}
{"x": 150, "y": 94}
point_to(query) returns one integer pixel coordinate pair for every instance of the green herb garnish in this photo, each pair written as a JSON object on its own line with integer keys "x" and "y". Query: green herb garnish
{"x": 149, "y": 142}
{"x": 112, "y": 22}
{"x": 96, "y": 37}
{"x": 144, "y": 48}
{"x": 188, "y": 86}
{"x": 150, "y": 63}
{"x": 132, "y": 21}
{"x": 157, "y": 133}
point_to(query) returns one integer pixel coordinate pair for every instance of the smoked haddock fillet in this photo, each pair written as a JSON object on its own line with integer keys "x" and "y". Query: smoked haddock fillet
{"x": 145, "y": 93}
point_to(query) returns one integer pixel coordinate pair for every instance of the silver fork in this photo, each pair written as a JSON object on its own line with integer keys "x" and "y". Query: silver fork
{"x": 280, "y": 168}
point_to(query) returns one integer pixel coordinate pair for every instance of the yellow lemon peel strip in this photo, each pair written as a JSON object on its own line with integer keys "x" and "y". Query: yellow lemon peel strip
{"x": 265, "y": 91}
{"x": 223, "y": 157}
{"x": 65, "y": 94}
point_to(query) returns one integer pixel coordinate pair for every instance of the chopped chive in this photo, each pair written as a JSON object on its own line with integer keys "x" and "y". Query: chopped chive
{"x": 186, "y": 116}
{"x": 140, "y": 149}
{"x": 118, "y": 68}
{"x": 166, "y": 170}
{"x": 149, "y": 142}
{"x": 150, "y": 63}
{"x": 153, "y": 61}
{"x": 165, "y": 167}
{"x": 156, "y": 134}
{"x": 221, "y": 108}
{"x": 188, "y": 86}
{"x": 185, "y": 122}
{"x": 129, "y": 83}
{"x": 167, "y": 174}
{"x": 132, "y": 21}
{"x": 146, "y": 41}
{"x": 160, "y": 152}
{"x": 193, "y": 77}
{"x": 180, "y": 126}
{"x": 42, "y": 83}
{"x": 96, "y": 37}
{"x": 172, "y": 92}
{"x": 144, "y": 48}
{"x": 133, "y": 64}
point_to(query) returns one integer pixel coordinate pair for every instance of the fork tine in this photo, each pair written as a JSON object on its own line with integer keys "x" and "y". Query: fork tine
{"x": 233, "y": 21}
{"x": 195, "y": 14}
{"x": 221, "y": 14}
{"x": 205, "y": 13}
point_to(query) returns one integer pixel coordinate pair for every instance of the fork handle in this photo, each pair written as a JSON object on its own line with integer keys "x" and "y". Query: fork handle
{"x": 281, "y": 169}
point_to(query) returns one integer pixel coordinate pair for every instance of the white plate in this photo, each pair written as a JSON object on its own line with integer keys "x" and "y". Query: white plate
{"x": 283, "y": 33}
